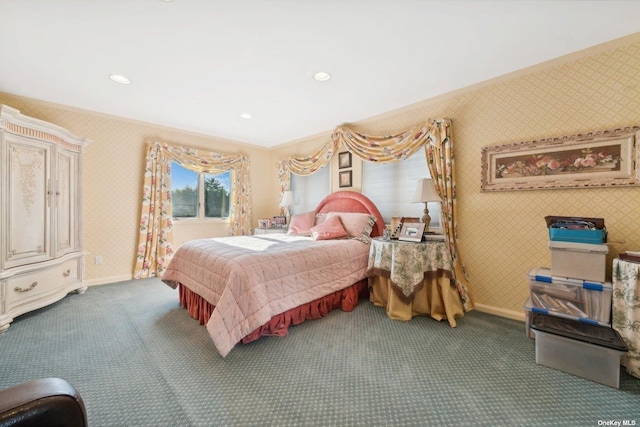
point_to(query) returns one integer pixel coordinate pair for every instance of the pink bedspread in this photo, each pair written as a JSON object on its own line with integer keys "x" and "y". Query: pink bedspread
{"x": 252, "y": 278}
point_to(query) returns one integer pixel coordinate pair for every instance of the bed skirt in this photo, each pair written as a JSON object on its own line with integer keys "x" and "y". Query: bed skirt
{"x": 345, "y": 299}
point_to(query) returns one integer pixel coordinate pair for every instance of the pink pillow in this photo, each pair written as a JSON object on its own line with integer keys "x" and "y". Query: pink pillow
{"x": 320, "y": 218}
{"x": 330, "y": 229}
{"x": 358, "y": 225}
{"x": 301, "y": 224}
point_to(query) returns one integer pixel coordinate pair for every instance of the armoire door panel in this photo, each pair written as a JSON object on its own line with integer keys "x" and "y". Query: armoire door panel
{"x": 65, "y": 202}
{"x": 29, "y": 200}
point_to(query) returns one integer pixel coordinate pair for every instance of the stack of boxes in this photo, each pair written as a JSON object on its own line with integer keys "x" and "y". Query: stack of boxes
{"x": 569, "y": 310}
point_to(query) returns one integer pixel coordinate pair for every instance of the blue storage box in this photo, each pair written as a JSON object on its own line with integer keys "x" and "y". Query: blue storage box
{"x": 576, "y": 229}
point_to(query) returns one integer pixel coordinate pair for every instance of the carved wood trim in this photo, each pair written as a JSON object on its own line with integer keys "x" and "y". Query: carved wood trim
{"x": 38, "y": 134}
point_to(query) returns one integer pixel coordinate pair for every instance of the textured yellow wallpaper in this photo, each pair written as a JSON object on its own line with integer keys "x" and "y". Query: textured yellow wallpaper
{"x": 113, "y": 167}
{"x": 503, "y": 235}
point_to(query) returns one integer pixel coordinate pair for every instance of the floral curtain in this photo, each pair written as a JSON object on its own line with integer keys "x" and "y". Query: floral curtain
{"x": 440, "y": 160}
{"x": 382, "y": 148}
{"x": 435, "y": 137}
{"x": 306, "y": 165}
{"x": 156, "y": 234}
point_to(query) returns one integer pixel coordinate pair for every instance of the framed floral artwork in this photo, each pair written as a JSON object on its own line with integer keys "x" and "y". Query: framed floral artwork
{"x": 600, "y": 159}
{"x": 344, "y": 179}
{"x": 344, "y": 160}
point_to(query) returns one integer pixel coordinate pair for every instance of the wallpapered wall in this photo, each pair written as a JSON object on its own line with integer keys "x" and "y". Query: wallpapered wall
{"x": 503, "y": 235}
{"x": 113, "y": 168}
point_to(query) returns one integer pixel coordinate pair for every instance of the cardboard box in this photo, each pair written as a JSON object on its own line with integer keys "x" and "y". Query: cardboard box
{"x": 574, "y": 299}
{"x": 578, "y": 260}
{"x": 587, "y": 351}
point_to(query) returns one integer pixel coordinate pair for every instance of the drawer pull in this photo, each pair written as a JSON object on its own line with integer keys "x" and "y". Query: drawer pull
{"x": 18, "y": 289}
{"x": 67, "y": 273}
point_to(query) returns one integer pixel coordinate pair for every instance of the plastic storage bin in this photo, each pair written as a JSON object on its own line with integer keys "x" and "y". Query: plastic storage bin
{"x": 530, "y": 309}
{"x": 588, "y": 302}
{"x": 578, "y": 260}
{"x": 576, "y": 229}
{"x": 587, "y": 351}
{"x": 528, "y": 312}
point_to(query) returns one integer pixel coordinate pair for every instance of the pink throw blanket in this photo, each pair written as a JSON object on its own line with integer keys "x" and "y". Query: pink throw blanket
{"x": 253, "y": 278}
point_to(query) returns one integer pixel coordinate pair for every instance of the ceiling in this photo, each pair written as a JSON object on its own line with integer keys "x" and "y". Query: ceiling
{"x": 197, "y": 65}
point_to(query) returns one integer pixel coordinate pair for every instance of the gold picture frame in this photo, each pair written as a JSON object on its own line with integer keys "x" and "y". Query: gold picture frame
{"x": 601, "y": 159}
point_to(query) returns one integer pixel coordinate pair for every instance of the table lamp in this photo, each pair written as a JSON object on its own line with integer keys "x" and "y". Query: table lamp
{"x": 285, "y": 202}
{"x": 425, "y": 192}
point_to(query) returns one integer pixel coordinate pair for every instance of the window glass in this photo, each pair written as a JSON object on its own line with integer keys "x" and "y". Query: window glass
{"x": 199, "y": 195}
{"x": 217, "y": 191}
{"x": 391, "y": 186}
{"x": 309, "y": 190}
{"x": 184, "y": 192}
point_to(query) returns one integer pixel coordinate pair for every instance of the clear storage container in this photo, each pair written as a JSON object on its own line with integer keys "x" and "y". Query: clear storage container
{"x": 587, "y": 351}
{"x": 588, "y": 302}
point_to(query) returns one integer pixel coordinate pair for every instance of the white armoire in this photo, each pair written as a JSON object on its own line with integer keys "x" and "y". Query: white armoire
{"x": 41, "y": 255}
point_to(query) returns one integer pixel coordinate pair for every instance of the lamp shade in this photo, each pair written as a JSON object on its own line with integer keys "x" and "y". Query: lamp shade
{"x": 425, "y": 192}
{"x": 287, "y": 199}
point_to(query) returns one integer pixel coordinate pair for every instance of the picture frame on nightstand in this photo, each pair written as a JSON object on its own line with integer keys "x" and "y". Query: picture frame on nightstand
{"x": 412, "y": 231}
{"x": 396, "y": 225}
{"x": 278, "y": 221}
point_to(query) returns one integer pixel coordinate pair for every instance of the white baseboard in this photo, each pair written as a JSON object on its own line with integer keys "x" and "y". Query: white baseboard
{"x": 108, "y": 280}
{"x": 510, "y": 314}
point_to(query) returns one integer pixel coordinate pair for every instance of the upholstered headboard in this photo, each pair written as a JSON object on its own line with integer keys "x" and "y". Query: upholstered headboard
{"x": 351, "y": 201}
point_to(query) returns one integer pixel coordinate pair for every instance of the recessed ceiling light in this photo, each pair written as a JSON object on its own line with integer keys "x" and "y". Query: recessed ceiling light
{"x": 245, "y": 115}
{"x": 321, "y": 76}
{"x": 120, "y": 79}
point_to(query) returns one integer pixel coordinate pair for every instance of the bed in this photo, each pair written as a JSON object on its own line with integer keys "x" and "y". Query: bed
{"x": 246, "y": 287}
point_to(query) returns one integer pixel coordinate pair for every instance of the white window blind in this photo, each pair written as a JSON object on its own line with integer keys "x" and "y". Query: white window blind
{"x": 309, "y": 190}
{"x": 391, "y": 187}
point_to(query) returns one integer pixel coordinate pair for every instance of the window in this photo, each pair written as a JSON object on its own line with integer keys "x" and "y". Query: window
{"x": 309, "y": 190}
{"x": 391, "y": 187}
{"x": 199, "y": 195}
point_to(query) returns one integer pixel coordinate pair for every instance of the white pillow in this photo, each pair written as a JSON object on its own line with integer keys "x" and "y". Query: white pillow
{"x": 358, "y": 225}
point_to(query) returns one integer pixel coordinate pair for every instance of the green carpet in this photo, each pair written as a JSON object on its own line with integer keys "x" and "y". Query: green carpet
{"x": 138, "y": 359}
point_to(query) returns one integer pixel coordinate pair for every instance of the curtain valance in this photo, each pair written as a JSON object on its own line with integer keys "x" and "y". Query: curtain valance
{"x": 305, "y": 165}
{"x": 370, "y": 148}
{"x": 391, "y": 148}
{"x": 367, "y": 147}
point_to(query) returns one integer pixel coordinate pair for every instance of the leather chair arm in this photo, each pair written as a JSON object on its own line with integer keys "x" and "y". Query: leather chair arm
{"x": 43, "y": 402}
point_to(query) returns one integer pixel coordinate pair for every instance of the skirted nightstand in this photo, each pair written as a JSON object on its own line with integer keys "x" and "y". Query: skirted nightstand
{"x": 411, "y": 279}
